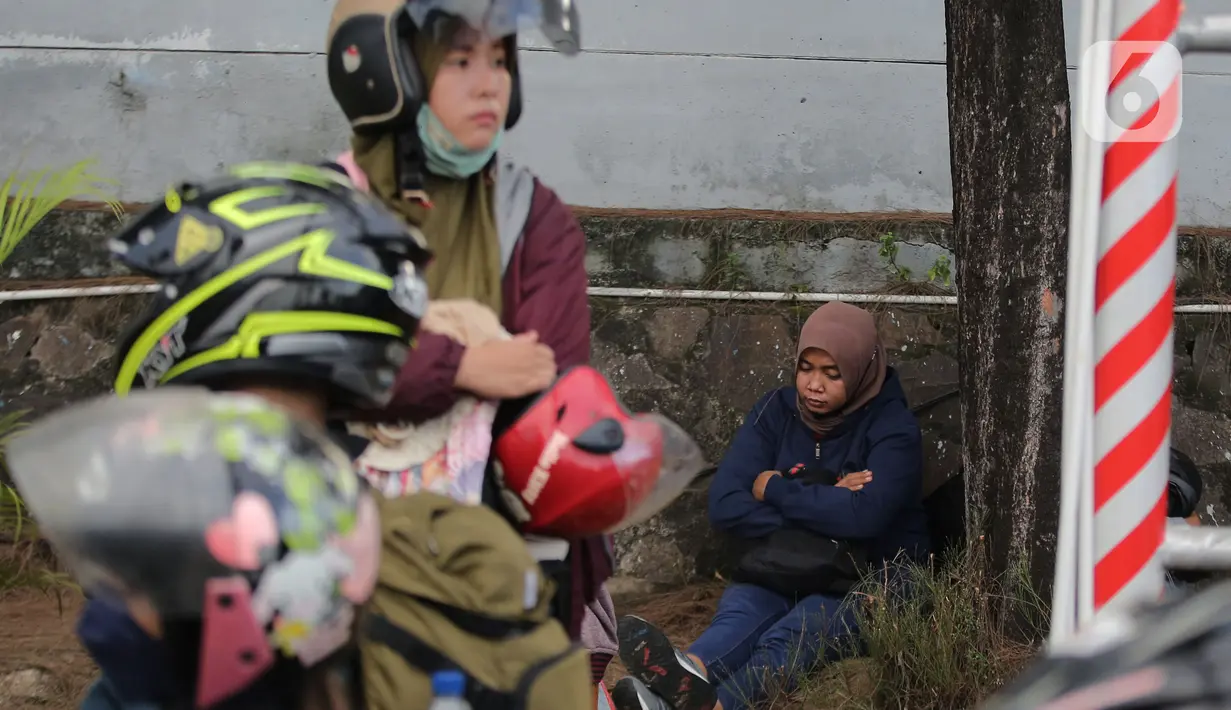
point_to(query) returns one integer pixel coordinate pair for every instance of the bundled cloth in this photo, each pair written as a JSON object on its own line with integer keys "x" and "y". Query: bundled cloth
{"x": 446, "y": 455}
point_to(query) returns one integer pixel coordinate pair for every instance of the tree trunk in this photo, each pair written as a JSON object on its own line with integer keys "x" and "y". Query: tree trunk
{"x": 1010, "y": 151}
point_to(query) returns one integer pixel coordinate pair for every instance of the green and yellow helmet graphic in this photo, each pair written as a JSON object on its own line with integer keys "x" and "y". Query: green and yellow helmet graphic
{"x": 273, "y": 271}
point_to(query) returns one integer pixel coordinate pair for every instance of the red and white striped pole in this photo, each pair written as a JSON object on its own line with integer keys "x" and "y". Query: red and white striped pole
{"x": 1134, "y": 300}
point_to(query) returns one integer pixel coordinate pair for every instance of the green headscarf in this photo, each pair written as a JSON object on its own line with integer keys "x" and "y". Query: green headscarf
{"x": 459, "y": 219}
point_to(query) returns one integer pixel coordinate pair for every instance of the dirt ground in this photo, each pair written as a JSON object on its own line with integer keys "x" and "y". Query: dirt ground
{"x": 36, "y": 632}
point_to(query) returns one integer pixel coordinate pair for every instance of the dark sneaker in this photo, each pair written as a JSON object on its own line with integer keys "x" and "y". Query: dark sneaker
{"x": 648, "y": 655}
{"x": 631, "y": 694}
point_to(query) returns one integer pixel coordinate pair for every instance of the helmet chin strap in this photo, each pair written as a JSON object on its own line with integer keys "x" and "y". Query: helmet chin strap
{"x": 410, "y": 164}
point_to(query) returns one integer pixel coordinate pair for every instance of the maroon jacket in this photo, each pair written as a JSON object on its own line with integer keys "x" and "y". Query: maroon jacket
{"x": 544, "y": 291}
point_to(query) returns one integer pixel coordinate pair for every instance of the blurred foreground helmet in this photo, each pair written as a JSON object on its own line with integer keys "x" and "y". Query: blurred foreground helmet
{"x": 575, "y": 463}
{"x": 239, "y": 536}
{"x": 1168, "y": 656}
{"x": 273, "y": 270}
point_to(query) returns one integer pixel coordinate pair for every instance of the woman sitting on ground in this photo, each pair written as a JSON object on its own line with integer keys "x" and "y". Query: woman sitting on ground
{"x": 846, "y": 415}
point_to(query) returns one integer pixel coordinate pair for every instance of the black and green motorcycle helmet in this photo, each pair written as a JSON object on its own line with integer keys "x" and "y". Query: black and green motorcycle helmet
{"x": 274, "y": 273}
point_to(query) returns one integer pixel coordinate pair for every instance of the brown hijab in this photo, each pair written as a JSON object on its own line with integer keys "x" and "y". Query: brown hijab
{"x": 459, "y": 221}
{"x": 848, "y": 334}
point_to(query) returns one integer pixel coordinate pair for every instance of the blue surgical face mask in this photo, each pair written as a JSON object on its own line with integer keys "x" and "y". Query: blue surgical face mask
{"x": 447, "y": 157}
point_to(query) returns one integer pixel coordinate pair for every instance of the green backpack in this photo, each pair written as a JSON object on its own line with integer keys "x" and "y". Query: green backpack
{"x": 459, "y": 589}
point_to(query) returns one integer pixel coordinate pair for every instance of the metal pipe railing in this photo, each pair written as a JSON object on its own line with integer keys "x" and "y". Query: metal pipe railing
{"x": 1209, "y": 34}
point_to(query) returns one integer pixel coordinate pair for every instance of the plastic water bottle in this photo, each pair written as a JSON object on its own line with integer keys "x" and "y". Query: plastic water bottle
{"x": 448, "y": 691}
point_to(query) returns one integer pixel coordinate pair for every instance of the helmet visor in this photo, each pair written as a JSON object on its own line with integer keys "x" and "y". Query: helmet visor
{"x": 658, "y": 446}
{"x": 138, "y": 494}
{"x": 556, "y": 19}
{"x": 115, "y": 483}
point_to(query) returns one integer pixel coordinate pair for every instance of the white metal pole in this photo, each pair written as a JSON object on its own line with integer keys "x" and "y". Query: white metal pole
{"x": 1135, "y": 297}
{"x": 1074, "y": 551}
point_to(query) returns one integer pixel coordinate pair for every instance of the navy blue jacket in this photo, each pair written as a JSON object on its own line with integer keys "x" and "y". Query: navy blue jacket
{"x": 882, "y": 437}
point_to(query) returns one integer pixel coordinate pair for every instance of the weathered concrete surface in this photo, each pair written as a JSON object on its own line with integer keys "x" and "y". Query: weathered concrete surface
{"x": 702, "y": 363}
{"x": 848, "y": 30}
{"x": 833, "y": 256}
{"x": 594, "y": 127}
{"x": 799, "y": 105}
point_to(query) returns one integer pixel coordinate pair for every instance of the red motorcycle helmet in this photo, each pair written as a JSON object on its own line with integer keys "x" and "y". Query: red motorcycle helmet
{"x": 576, "y": 463}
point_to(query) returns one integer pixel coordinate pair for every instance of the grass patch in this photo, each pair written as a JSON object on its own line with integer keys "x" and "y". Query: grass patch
{"x": 26, "y": 560}
{"x": 959, "y": 637}
{"x": 954, "y": 640}
{"x": 27, "y": 567}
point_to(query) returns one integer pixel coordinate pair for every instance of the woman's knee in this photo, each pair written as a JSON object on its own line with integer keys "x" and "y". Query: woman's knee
{"x": 744, "y": 613}
{"x": 817, "y": 628}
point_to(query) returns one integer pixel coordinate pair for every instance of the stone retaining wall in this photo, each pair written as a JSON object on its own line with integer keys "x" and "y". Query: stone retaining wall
{"x": 703, "y": 363}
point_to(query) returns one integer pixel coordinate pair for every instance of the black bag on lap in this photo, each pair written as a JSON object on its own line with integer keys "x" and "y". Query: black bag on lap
{"x": 795, "y": 562}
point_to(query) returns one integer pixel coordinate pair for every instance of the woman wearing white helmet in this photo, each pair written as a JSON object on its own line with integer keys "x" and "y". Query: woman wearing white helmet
{"x": 429, "y": 88}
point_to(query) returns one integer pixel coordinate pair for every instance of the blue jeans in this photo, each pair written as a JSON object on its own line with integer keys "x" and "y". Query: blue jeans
{"x": 134, "y": 665}
{"x": 103, "y": 696}
{"x": 758, "y": 634}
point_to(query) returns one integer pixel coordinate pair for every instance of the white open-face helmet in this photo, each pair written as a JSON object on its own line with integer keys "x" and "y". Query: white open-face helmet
{"x": 372, "y": 69}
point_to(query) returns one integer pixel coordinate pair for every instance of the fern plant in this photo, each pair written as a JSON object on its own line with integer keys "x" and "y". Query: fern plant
{"x": 25, "y": 201}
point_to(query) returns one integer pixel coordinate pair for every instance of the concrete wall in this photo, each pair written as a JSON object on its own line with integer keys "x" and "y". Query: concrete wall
{"x": 821, "y": 105}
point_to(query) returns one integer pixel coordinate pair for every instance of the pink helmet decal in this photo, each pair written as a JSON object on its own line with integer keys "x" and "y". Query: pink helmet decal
{"x": 234, "y": 649}
{"x": 239, "y": 540}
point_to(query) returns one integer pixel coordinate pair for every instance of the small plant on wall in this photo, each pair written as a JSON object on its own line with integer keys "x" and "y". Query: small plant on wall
{"x": 27, "y": 200}
{"x": 940, "y": 271}
{"x": 889, "y": 252}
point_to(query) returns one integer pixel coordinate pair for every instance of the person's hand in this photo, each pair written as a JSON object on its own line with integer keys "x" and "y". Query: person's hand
{"x": 855, "y": 481}
{"x": 1193, "y": 520}
{"x": 758, "y": 486}
{"x": 507, "y": 369}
